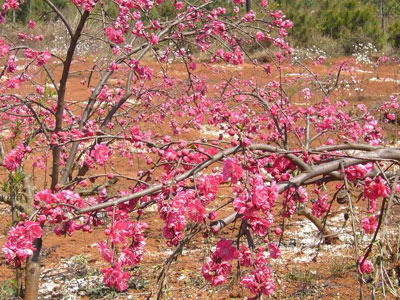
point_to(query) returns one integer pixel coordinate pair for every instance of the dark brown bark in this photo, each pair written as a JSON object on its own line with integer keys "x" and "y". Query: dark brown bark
{"x": 329, "y": 237}
{"x": 61, "y": 96}
{"x": 32, "y": 273}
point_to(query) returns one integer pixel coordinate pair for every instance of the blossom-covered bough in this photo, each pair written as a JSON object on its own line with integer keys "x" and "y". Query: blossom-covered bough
{"x": 269, "y": 152}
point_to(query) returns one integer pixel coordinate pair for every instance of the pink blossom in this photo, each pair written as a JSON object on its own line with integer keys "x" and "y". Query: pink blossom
{"x": 128, "y": 243}
{"x": 260, "y": 36}
{"x": 196, "y": 211}
{"x": 264, "y": 196}
{"x": 374, "y": 189}
{"x": 154, "y": 39}
{"x": 225, "y": 251}
{"x": 216, "y": 273}
{"x": 261, "y": 225}
{"x": 11, "y": 4}
{"x": 366, "y": 267}
{"x": 391, "y": 116}
{"x": 106, "y": 252}
{"x": 47, "y": 202}
{"x": 14, "y": 83}
{"x": 260, "y": 281}
{"x": 179, "y": 5}
{"x": 40, "y": 89}
{"x": 43, "y": 58}
{"x": 321, "y": 59}
{"x": 30, "y": 53}
{"x": 115, "y": 35}
{"x": 120, "y": 231}
{"x": 86, "y": 4}
{"x": 245, "y": 256}
{"x": 268, "y": 68}
{"x": 321, "y": 206}
{"x": 307, "y": 93}
{"x": 19, "y": 245}
{"x": 39, "y": 37}
{"x": 383, "y": 59}
{"x": 31, "y": 24}
{"x": 274, "y": 250}
{"x": 370, "y": 224}
{"x": 292, "y": 197}
{"x": 101, "y": 154}
{"x": 14, "y": 158}
{"x": 116, "y": 277}
{"x": 174, "y": 215}
{"x": 358, "y": 171}
{"x": 208, "y": 185}
{"x": 232, "y": 171}
{"x": 249, "y": 17}
{"x": 4, "y": 48}
{"x": 12, "y": 64}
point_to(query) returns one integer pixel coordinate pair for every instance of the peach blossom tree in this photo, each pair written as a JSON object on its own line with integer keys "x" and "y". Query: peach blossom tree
{"x": 277, "y": 158}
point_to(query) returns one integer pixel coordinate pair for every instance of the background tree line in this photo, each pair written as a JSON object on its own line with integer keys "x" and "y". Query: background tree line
{"x": 332, "y": 25}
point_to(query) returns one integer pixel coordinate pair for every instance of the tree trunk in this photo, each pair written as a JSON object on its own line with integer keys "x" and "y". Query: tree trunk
{"x": 248, "y": 5}
{"x": 329, "y": 237}
{"x": 32, "y": 275}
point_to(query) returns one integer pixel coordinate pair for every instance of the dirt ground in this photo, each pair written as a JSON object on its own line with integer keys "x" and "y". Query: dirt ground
{"x": 300, "y": 273}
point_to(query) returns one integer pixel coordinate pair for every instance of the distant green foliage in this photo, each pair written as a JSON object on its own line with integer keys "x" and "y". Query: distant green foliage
{"x": 351, "y": 22}
{"x": 164, "y": 11}
{"x": 305, "y": 15}
{"x": 167, "y": 11}
{"x": 345, "y": 21}
{"x": 38, "y": 10}
{"x": 8, "y": 289}
{"x": 337, "y": 24}
{"x": 394, "y": 34}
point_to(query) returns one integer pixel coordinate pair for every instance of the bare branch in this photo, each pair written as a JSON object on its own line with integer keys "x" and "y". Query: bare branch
{"x": 61, "y": 16}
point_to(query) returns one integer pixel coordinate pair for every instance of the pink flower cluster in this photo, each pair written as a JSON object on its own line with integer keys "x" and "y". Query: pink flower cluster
{"x": 14, "y": 158}
{"x": 374, "y": 189}
{"x": 256, "y": 205}
{"x": 174, "y": 216}
{"x": 12, "y": 64}
{"x": 292, "y": 196}
{"x": 185, "y": 204}
{"x": 218, "y": 269}
{"x": 56, "y": 208}
{"x": 11, "y": 4}
{"x": 115, "y": 35}
{"x": 279, "y": 166}
{"x": 366, "y": 267}
{"x": 101, "y": 154}
{"x": 260, "y": 281}
{"x": 321, "y": 206}
{"x": 86, "y": 4}
{"x": 208, "y": 186}
{"x": 370, "y": 224}
{"x": 4, "y": 48}
{"x": 42, "y": 57}
{"x": 19, "y": 245}
{"x": 125, "y": 249}
{"x": 144, "y": 72}
{"x": 235, "y": 58}
{"x": 356, "y": 172}
{"x": 116, "y": 277}
{"x": 274, "y": 251}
